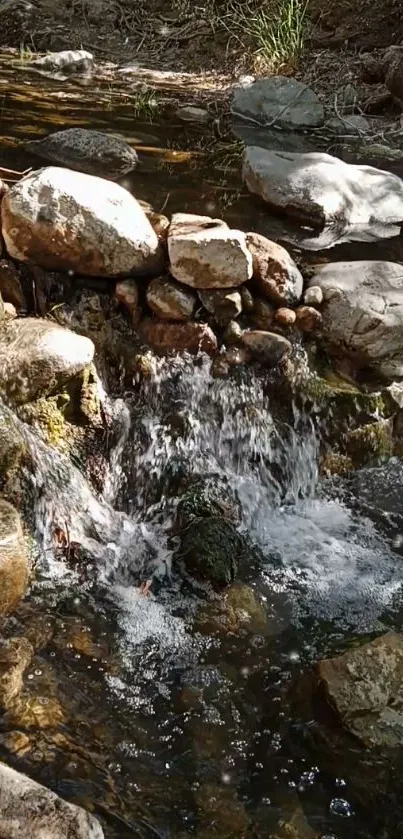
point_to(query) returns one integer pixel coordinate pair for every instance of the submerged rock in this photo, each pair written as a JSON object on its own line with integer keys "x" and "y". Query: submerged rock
{"x": 280, "y": 101}
{"x": 169, "y": 300}
{"x": 363, "y": 312}
{"x": 319, "y": 189}
{"x": 84, "y": 150}
{"x": 174, "y": 337}
{"x": 206, "y": 254}
{"x": 64, "y": 220}
{"x": 29, "y": 810}
{"x": 36, "y": 356}
{"x": 268, "y": 346}
{"x": 240, "y": 612}
{"x": 14, "y": 562}
{"x": 365, "y": 687}
{"x": 211, "y": 548}
{"x": 16, "y": 655}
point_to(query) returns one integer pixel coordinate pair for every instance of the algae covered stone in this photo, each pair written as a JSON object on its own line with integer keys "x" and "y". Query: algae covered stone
{"x": 211, "y": 549}
{"x": 14, "y": 561}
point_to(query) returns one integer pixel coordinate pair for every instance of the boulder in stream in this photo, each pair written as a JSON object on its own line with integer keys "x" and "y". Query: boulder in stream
{"x": 318, "y": 189}
{"x": 269, "y": 347}
{"x": 280, "y": 101}
{"x": 36, "y": 356}
{"x": 274, "y": 271}
{"x": 29, "y": 810}
{"x": 85, "y": 150}
{"x": 211, "y": 549}
{"x": 175, "y": 337}
{"x": 362, "y": 312}
{"x": 365, "y": 688}
{"x": 204, "y": 253}
{"x": 14, "y": 562}
{"x": 68, "y": 221}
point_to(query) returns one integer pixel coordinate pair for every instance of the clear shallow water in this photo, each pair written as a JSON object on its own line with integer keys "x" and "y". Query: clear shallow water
{"x": 151, "y": 710}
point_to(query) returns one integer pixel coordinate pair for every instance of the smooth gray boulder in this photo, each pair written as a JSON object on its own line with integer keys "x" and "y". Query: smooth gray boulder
{"x": 320, "y": 190}
{"x": 362, "y": 312}
{"x": 30, "y": 811}
{"x": 38, "y": 355}
{"x": 280, "y": 101}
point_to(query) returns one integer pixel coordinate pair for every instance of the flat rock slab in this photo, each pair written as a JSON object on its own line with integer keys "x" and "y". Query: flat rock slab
{"x": 320, "y": 190}
{"x": 30, "y": 811}
{"x": 280, "y": 101}
{"x": 204, "y": 253}
{"x": 362, "y": 312}
{"x": 68, "y": 221}
{"x": 365, "y": 686}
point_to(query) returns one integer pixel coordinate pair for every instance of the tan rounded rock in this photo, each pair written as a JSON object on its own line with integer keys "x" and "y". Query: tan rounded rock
{"x": 285, "y": 317}
{"x": 268, "y": 346}
{"x": 10, "y": 311}
{"x": 274, "y": 271}
{"x": 308, "y": 318}
{"x": 313, "y": 296}
{"x": 170, "y": 300}
{"x": 172, "y": 337}
{"x": 14, "y": 562}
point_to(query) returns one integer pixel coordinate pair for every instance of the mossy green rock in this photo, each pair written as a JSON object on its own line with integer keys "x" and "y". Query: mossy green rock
{"x": 239, "y": 612}
{"x": 370, "y": 443}
{"x": 211, "y": 549}
{"x": 207, "y": 497}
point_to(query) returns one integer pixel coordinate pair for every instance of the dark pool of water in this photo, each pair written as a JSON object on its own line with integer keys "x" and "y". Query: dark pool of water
{"x": 131, "y": 706}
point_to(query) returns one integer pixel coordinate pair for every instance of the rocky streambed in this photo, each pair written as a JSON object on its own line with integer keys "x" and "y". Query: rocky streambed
{"x": 200, "y": 526}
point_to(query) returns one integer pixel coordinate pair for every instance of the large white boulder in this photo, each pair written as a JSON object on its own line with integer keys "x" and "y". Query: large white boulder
{"x": 319, "y": 189}
{"x": 66, "y": 220}
{"x": 362, "y": 312}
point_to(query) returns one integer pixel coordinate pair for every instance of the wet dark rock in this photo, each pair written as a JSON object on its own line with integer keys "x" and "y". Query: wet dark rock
{"x": 67, "y": 221}
{"x": 274, "y": 271}
{"x": 169, "y": 300}
{"x": 208, "y": 497}
{"x": 364, "y": 688}
{"x": 211, "y": 549}
{"x": 30, "y": 810}
{"x": 263, "y": 313}
{"x": 16, "y": 655}
{"x": 232, "y": 333}
{"x": 10, "y": 284}
{"x": 269, "y": 347}
{"x": 371, "y": 443}
{"x": 174, "y": 337}
{"x": 38, "y": 356}
{"x": 84, "y": 150}
{"x": 14, "y": 561}
{"x": 279, "y": 100}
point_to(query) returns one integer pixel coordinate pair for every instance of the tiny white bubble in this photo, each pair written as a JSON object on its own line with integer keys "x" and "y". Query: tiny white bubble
{"x": 226, "y": 778}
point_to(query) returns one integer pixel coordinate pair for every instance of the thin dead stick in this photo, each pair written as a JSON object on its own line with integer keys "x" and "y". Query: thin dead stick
{"x": 15, "y": 172}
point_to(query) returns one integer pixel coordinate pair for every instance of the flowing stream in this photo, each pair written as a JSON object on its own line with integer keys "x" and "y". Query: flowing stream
{"x": 158, "y": 712}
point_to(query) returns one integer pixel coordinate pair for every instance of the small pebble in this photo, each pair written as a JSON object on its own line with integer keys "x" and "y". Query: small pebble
{"x": 308, "y": 318}
{"x": 247, "y": 299}
{"x": 284, "y": 316}
{"x": 10, "y": 312}
{"x": 313, "y": 296}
